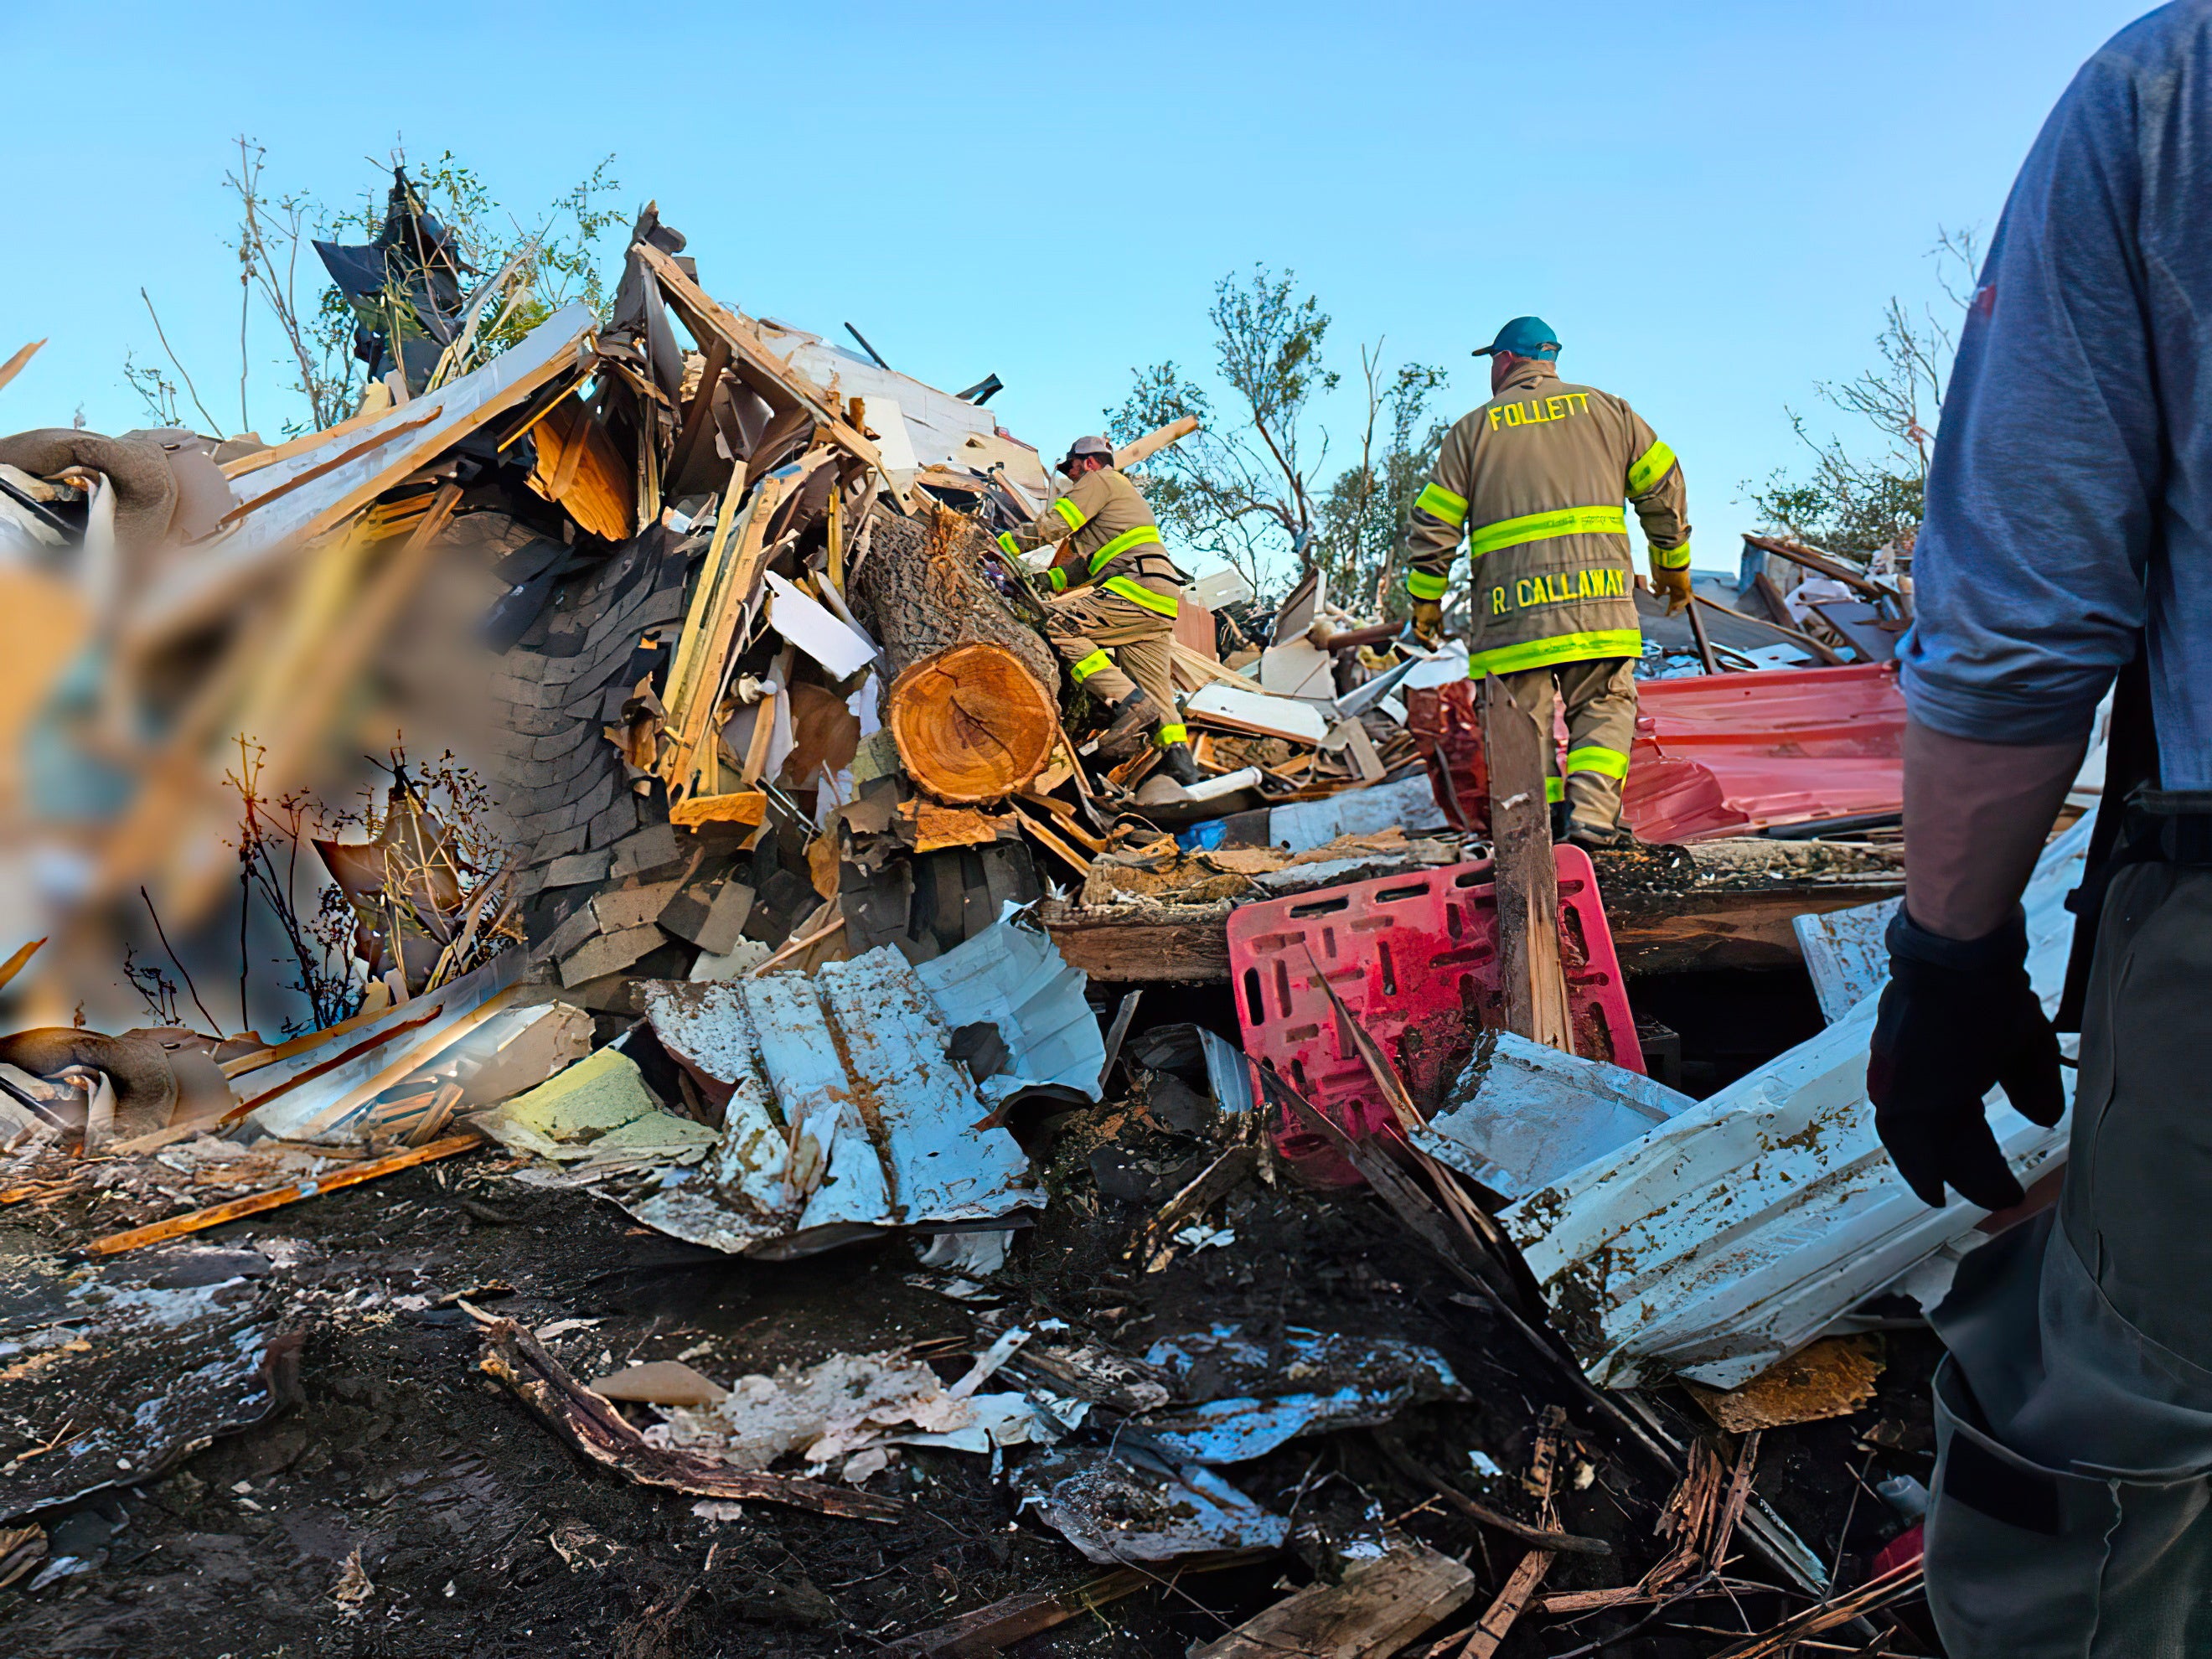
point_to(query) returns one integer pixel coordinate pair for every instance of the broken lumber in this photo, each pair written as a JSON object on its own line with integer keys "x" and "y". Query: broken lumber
{"x": 1381, "y": 1604}
{"x": 1528, "y": 879}
{"x": 972, "y": 724}
{"x": 516, "y": 1360}
{"x": 314, "y": 1186}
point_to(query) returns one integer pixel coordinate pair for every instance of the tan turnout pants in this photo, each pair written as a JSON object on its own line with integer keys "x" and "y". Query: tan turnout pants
{"x": 1600, "y": 697}
{"x": 1113, "y": 648}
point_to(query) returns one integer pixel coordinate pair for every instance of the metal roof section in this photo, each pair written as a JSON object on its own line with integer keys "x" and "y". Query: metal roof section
{"x": 845, "y": 1112}
{"x": 1743, "y": 1228}
{"x": 1522, "y": 1115}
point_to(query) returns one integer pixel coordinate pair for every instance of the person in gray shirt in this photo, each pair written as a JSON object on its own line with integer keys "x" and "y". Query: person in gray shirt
{"x": 2069, "y": 528}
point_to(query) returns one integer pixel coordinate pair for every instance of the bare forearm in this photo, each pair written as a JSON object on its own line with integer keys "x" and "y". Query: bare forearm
{"x": 1975, "y": 816}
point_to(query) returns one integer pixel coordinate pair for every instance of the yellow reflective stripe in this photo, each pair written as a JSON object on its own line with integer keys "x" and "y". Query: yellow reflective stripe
{"x": 1651, "y": 466}
{"x": 1057, "y": 575}
{"x": 1440, "y": 503}
{"x": 1137, "y": 593}
{"x": 1423, "y": 585}
{"x": 1555, "y": 789}
{"x": 1671, "y": 558}
{"x": 1007, "y": 540}
{"x": 1085, "y": 667}
{"x": 1543, "y": 526}
{"x": 1122, "y": 544}
{"x": 1177, "y": 733}
{"x": 1069, "y": 511}
{"x": 1611, "y": 762}
{"x": 1561, "y": 647}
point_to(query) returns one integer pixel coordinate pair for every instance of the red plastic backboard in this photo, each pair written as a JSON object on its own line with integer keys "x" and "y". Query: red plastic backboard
{"x": 1415, "y": 958}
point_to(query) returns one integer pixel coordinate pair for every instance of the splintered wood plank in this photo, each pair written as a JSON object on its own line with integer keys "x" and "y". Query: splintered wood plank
{"x": 197, "y": 1220}
{"x": 1527, "y": 881}
{"x": 708, "y": 319}
{"x": 1381, "y": 1605}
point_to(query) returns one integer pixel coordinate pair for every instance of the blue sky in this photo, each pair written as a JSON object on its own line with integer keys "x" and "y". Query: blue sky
{"x": 1710, "y": 201}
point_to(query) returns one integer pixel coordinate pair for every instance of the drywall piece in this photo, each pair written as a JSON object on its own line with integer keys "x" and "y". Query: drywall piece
{"x": 834, "y": 1165}
{"x": 1735, "y": 1233}
{"x": 1409, "y": 804}
{"x": 599, "y": 1110}
{"x": 941, "y": 1168}
{"x": 1522, "y": 1115}
{"x": 1283, "y": 716}
{"x": 1013, "y": 975}
{"x": 1298, "y": 668}
{"x": 817, "y": 630}
{"x": 1218, "y": 589}
{"x": 1844, "y": 954}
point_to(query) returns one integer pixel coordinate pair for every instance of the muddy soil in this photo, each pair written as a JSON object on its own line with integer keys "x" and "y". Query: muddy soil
{"x": 479, "y": 1534}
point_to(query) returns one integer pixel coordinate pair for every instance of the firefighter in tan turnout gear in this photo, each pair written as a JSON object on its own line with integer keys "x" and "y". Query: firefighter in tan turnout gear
{"x": 1115, "y": 625}
{"x": 1535, "y": 480}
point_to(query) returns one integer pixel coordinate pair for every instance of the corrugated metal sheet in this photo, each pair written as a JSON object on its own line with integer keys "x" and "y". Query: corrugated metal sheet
{"x": 845, "y": 1113}
{"x": 1734, "y": 1235}
{"x": 1719, "y": 754}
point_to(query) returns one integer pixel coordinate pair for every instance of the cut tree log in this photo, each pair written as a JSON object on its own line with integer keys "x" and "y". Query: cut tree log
{"x": 920, "y": 589}
{"x": 972, "y": 724}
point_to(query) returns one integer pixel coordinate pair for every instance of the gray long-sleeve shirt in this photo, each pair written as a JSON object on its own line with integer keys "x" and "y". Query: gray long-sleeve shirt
{"x": 2069, "y": 500}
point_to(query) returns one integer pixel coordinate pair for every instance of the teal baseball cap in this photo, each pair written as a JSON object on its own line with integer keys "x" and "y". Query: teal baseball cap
{"x": 1524, "y": 337}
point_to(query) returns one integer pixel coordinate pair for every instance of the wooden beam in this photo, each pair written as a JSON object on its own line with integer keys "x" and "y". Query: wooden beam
{"x": 1823, "y": 652}
{"x": 708, "y": 318}
{"x": 1697, "y": 633}
{"x": 14, "y": 365}
{"x": 1535, "y": 985}
{"x": 696, "y": 418}
{"x": 1798, "y": 553}
{"x": 1191, "y": 948}
{"x": 314, "y": 1186}
{"x": 1152, "y": 442}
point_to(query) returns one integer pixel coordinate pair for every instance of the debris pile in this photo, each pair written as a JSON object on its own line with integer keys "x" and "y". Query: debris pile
{"x": 1198, "y": 1182}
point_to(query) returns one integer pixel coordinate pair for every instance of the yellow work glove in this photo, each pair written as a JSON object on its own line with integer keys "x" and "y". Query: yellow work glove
{"x": 1673, "y": 586}
{"x": 1429, "y": 623}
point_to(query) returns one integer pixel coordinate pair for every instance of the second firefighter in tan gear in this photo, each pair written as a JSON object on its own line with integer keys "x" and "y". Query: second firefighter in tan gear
{"x": 1114, "y": 623}
{"x": 1534, "y": 481}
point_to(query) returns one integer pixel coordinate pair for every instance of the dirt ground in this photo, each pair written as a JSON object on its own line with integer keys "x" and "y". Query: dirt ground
{"x": 481, "y": 1533}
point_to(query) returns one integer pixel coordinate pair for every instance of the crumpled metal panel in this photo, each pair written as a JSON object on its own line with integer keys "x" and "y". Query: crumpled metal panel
{"x": 1715, "y": 754}
{"x": 1724, "y": 754}
{"x": 1731, "y": 1237}
{"x": 844, "y": 1114}
{"x": 1520, "y": 1114}
{"x": 1013, "y": 975}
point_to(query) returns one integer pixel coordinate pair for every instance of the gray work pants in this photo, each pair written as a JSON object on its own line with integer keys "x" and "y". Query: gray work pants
{"x": 2073, "y": 1491}
{"x": 1598, "y": 698}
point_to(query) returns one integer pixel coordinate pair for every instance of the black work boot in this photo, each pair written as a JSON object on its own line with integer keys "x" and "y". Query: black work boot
{"x": 1179, "y": 763}
{"x": 1601, "y": 838}
{"x": 1560, "y": 820}
{"x": 1125, "y": 732}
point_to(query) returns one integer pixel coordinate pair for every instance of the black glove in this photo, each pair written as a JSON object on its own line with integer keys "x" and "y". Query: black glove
{"x": 1958, "y": 1016}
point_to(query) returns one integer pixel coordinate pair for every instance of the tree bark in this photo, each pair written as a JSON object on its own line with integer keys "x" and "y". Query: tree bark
{"x": 921, "y": 588}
